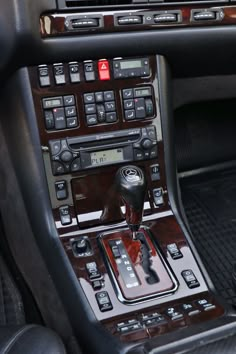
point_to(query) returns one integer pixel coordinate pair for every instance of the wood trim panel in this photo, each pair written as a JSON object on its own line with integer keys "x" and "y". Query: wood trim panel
{"x": 53, "y": 25}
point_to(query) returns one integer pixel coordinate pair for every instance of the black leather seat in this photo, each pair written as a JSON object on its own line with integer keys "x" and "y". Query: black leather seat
{"x": 29, "y": 339}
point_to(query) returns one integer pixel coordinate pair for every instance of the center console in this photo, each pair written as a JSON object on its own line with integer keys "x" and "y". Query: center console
{"x": 100, "y": 127}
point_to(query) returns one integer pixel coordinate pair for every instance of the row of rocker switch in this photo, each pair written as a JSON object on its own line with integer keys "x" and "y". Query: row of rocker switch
{"x": 89, "y": 71}
{"x": 172, "y": 314}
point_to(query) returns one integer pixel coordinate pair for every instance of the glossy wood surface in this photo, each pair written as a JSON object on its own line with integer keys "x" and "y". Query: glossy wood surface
{"x": 165, "y": 231}
{"x": 88, "y": 183}
{"x": 53, "y": 24}
{"x": 164, "y": 228}
{"x": 134, "y": 251}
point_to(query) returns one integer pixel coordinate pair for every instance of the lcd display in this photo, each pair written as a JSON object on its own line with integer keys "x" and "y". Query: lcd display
{"x": 131, "y": 64}
{"x": 106, "y": 156}
{"x": 52, "y": 103}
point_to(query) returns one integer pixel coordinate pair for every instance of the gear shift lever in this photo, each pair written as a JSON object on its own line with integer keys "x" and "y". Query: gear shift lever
{"x": 132, "y": 186}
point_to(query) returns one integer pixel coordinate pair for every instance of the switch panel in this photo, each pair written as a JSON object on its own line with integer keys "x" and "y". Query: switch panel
{"x": 100, "y": 107}
{"x": 138, "y": 103}
{"x": 60, "y": 112}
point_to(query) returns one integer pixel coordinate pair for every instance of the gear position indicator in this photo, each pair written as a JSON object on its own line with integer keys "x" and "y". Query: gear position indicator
{"x": 124, "y": 264}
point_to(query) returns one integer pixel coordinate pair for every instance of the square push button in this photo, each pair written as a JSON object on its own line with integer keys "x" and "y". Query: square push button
{"x": 61, "y": 190}
{"x": 104, "y": 301}
{"x": 65, "y": 215}
{"x": 190, "y": 279}
{"x": 104, "y": 70}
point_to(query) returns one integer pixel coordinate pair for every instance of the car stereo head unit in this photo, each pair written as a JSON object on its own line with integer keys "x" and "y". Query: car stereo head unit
{"x": 91, "y": 151}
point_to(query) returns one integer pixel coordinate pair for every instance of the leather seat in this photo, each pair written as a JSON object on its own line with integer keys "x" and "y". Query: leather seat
{"x": 29, "y": 339}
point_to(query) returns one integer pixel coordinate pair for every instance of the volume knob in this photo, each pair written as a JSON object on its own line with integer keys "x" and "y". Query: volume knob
{"x": 146, "y": 144}
{"x": 66, "y": 156}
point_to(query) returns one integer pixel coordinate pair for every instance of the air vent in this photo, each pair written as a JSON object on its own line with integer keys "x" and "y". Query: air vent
{"x": 68, "y": 4}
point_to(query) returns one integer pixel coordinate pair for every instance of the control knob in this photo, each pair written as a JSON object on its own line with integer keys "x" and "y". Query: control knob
{"x": 146, "y": 144}
{"x": 81, "y": 246}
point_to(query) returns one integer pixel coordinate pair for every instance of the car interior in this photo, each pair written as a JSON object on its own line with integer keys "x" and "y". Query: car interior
{"x": 118, "y": 176}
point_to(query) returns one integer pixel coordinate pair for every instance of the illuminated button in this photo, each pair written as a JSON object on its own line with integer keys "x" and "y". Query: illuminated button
{"x": 104, "y": 70}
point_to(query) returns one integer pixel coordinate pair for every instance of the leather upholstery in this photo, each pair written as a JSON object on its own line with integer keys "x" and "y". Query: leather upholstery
{"x": 29, "y": 339}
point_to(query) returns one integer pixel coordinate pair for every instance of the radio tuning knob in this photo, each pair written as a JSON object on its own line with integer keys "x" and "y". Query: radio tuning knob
{"x": 146, "y": 144}
{"x": 66, "y": 156}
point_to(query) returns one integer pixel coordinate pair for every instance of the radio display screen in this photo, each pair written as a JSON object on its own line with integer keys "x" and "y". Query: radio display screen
{"x": 106, "y": 156}
{"x": 130, "y": 64}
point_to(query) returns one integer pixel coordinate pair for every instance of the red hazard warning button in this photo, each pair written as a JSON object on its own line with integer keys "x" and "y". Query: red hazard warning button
{"x": 104, "y": 70}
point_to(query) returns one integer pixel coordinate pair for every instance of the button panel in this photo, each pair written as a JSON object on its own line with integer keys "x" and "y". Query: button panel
{"x": 138, "y": 103}
{"x": 166, "y": 317}
{"x": 100, "y": 107}
{"x": 60, "y": 112}
{"x": 65, "y": 160}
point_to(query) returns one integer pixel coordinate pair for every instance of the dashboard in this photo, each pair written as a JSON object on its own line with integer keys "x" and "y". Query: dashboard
{"x": 86, "y": 92}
